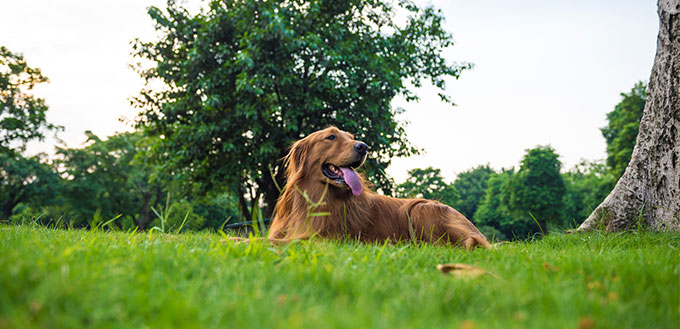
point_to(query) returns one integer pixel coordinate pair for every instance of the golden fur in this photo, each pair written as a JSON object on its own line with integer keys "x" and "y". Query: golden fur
{"x": 313, "y": 204}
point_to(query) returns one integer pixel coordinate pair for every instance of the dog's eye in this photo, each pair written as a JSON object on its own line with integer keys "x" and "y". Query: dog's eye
{"x": 331, "y": 137}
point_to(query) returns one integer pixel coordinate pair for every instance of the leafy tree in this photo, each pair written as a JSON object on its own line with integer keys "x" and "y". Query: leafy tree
{"x": 22, "y": 115}
{"x": 104, "y": 177}
{"x": 111, "y": 177}
{"x": 471, "y": 186}
{"x": 587, "y": 184}
{"x": 244, "y": 79}
{"x": 536, "y": 191}
{"x": 429, "y": 184}
{"x": 492, "y": 216}
{"x": 24, "y": 180}
{"x": 622, "y": 128}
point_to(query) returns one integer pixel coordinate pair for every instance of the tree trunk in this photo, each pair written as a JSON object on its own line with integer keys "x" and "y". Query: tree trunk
{"x": 143, "y": 219}
{"x": 648, "y": 193}
{"x": 271, "y": 181}
{"x": 12, "y": 201}
{"x": 245, "y": 211}
{"x": 6, "y": 211}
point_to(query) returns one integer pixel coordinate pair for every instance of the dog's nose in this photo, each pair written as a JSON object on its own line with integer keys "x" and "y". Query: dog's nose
{"x": 361, "y": 148}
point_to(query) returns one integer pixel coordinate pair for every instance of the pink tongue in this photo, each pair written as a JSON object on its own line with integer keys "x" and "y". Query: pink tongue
{"x": 352, "y": 179}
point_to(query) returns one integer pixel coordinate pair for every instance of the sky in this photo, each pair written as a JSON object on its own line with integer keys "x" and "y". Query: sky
{"x": 545, "y": 73}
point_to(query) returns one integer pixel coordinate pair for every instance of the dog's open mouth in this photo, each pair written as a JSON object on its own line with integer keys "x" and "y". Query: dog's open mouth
{"x": 344, "y": 175}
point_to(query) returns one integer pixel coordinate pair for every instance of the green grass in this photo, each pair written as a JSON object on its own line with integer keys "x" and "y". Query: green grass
{"x": 93, "y": 279}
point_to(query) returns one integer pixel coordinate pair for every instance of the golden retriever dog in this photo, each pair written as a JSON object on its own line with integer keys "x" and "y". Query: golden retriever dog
{"x": 325, "y": 196}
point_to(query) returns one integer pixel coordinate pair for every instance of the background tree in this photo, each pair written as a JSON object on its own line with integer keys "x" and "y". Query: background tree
{"x": 536, "y": 191}
{"x": 471, "y": 186}
{"x": 103, "y": 177}
{"x": 244, "y": 79}
{"x": 587, "y": 184}
{"x": 428, "y": 183}
{"x": 22, "y": 115}
{"x": 110, "y": 177}
{"x": 622, "y": 128}
{"x": 492, "y": 216}
{"x": 648, "y": 193}
{"x": 25, "y": 180}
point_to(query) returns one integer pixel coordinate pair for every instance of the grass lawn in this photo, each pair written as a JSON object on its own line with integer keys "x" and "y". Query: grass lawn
{"x": 72, "y": 279}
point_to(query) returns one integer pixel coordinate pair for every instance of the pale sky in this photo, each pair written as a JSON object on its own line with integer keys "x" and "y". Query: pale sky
{"x": 546, "y": 72}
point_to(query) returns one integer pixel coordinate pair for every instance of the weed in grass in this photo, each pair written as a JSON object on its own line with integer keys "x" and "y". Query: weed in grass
{"x": 163, "y": 215}
{"x": 537, "y": 223}
{"x": 640, "y": 220}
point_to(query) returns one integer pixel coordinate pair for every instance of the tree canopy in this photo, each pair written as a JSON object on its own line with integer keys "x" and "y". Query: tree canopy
{"x": 492, "y": 216}
{"x": 622, "y": 128}
{"x": 536, "y": 191}
{"x": 244, "y": 79}
{"x": 22, "y": 115}
{"x": 471, "y": 187}
{"x": 101, "y": 180}
{"x": 103, "y": 177}
{"x": 25, "y": 180}
{"x": 587, "y": 184}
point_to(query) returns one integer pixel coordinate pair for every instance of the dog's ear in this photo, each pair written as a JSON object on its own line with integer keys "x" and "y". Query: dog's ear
{"x": 295, "y": 160}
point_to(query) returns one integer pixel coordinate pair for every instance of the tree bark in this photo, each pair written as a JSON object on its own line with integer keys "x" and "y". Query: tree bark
{"x": 270, "y": 183}
{"x": 648, "y": 193}
{"x": 142, "y": 220}
{"x": 6, "y": 211}
{"x": 12, "y": 201}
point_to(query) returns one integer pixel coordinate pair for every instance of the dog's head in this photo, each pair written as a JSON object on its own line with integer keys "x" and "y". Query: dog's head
{"x": 328, "y": 156}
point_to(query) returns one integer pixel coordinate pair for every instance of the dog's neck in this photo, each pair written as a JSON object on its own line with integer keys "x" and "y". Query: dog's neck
{"x": 325, "y": 208}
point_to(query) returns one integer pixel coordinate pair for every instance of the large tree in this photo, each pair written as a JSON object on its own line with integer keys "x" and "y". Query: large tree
{"x": 22, "y": 115}
{"x": 648, "y": 193}
{"x": 244, "y": 79}
{"x": 622, "y": 128}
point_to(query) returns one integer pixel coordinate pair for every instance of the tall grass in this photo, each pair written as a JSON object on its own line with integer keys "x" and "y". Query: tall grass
{"x": 95, "y": 279}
